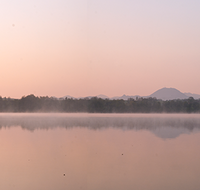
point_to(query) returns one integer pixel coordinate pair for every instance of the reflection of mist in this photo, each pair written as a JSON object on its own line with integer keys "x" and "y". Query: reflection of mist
{"x": 161, "y": 125}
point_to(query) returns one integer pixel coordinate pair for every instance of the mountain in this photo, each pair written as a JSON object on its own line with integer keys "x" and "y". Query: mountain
{"x": 124, "y": 97}
{"x": 102, "y": 96}
{"x": 68, "y": 96}
{"x": 98, "y": 96}
{"x": 163, "y": 94}
{"x": 195, "y": 96}
{"x": 168, "y": 94}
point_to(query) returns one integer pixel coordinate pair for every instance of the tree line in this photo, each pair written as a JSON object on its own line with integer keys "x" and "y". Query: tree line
{"x": 33, "y": 103}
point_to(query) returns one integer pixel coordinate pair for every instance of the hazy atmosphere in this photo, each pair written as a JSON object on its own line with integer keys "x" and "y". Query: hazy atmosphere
{"x": 85, "y": 48}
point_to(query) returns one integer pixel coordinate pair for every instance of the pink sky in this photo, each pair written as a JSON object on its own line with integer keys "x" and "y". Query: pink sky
{"x": 83, "y": 48}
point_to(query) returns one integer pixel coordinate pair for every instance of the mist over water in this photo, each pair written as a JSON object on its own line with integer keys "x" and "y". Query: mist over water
{"x": 99, "y": 151}
{"x": 168, "y": 124}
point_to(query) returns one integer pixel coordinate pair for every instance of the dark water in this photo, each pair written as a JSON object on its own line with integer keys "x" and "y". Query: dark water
{"x": 99, "y": 151}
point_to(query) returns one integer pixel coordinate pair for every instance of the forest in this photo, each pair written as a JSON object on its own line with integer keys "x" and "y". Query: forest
{"x": 33, "y": 103}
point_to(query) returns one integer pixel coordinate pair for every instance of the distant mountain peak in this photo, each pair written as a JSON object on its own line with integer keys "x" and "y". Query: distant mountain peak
{"x": 168, "y": 94}
{"x": 102, "y": 96}
{"x": 68, "y": 96}
{"x": 195, "y": 96}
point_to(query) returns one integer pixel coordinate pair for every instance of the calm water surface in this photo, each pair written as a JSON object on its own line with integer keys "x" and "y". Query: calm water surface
{"x": 99, "y": 151}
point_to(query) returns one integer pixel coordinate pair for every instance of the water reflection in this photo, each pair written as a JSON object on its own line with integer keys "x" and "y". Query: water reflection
{"x": 162, "y": 125}
{"x": 95, "y": 152}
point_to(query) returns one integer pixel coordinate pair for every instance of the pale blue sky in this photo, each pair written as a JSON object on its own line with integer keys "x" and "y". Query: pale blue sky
{"x": 82, "y": 48}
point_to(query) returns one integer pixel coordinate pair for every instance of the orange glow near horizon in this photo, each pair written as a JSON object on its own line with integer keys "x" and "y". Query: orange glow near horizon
{"x": 84, "y": 48}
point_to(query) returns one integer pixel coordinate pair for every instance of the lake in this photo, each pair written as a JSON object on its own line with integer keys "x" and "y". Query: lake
{"x": 99, "y": 151}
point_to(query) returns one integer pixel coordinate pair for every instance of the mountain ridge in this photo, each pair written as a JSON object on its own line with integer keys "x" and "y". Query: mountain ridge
{"x": 163, "y": 94}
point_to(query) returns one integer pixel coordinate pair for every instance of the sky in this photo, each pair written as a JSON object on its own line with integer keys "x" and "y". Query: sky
{"x": 91, "y": 47}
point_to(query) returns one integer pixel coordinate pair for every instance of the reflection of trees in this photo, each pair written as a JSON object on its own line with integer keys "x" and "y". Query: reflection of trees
{"x": 32, "y": 122}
